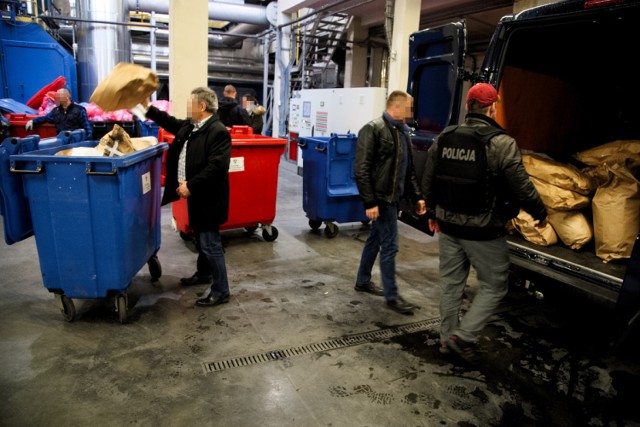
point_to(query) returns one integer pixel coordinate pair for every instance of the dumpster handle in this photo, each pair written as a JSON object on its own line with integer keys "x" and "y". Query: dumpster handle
{"x": 38, "y": 169}
{"x": 92, "y": 172}
{"x": 302, "y": 144}
{"x": 322, "y": 150}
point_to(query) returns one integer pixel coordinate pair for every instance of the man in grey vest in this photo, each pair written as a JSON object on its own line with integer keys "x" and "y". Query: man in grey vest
{"x": 474, "y": 182}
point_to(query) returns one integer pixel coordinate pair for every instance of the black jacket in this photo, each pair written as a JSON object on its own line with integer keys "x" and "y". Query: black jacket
{"x": 505, "y": 162}
{"x": 232, "y": 114}
{"x": 207, "y": 168}
{"x": 377, "y": 165}
{"x": 74, "y": 117}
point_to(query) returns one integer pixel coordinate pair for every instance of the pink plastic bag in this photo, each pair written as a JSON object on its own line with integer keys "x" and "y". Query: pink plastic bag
{"x": 162, "y": 105}
{"x": 119, "y": 116}
{"x": 48, "y": 103}
{"x": 94, "y": 112}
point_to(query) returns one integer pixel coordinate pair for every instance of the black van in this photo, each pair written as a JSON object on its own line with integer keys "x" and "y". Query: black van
{"x": 565, "y": 75}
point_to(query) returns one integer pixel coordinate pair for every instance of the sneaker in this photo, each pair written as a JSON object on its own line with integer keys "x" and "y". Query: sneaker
{"x": 399, "y": 305}
{"x": 444, "y": 349}
{"x": 370, "y": 288}
{"x": 465, "y": 349}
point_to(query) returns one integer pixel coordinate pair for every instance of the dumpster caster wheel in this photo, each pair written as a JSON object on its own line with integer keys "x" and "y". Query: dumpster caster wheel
{"x": 315, "y": 225}
{"x": 366, "y": 222}
{"x": 251, "y": 230}
{"x": 121, "y": 308}
{"x": 68, "y": 309}
{"x": 155, "y": 269}
{"x": 186, "y": 237}
{"x": 331, "y": 230}
{"x": 269, "y": 233}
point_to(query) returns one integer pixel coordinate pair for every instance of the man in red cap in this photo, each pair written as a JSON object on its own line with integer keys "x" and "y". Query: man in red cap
{"x": 474, "y": 183}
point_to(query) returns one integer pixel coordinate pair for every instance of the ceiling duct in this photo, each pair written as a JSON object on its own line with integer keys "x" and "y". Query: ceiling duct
{"x": 250, "y": 19}
{"x": 100, "y": 46}
{"x": 216, "y": 41}
{"x": 218, "y": 11}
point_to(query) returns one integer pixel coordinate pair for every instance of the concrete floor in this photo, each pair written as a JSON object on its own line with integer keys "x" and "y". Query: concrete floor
{"x": 297, "y": 346}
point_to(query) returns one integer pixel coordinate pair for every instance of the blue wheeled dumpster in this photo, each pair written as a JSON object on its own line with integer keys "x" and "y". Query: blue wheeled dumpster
{"x": 14, "y": 205}
{"x": 329, "y": 190}
{"x": 96, "y": 220}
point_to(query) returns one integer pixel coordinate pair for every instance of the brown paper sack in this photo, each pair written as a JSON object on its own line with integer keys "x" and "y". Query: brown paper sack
{"x": 80, "y": 152}
{"x": 620, "y": 151}
{"x": 559, "y": 174}
{"x": 572, "y": 227}
{"x": 143, "y": 142}
{"x": 116, "y": 143}
{"x": 125, "y": 87}
{"x": 558, "y": 198}
{"x": 526, "y": 225}
{"x": 599, "y": 174}
{"x": 616, "y": 214}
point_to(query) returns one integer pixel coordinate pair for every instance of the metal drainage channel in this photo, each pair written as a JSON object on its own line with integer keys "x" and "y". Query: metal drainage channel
{"x": 346, "y": 341}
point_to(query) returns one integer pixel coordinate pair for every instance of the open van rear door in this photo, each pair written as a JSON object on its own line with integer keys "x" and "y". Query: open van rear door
{"x": 436, "y": 72}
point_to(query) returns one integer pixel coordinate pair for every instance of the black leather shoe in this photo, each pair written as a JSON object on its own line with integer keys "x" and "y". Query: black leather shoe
{"x": 195, "y": 280}
{"x": 399, "y": 305}
{"x": 370, "y": 288}
{"x": 210, "y": 301}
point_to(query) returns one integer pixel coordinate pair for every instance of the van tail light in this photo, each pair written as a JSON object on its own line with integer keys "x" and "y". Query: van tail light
{"x": 601, "y": 3}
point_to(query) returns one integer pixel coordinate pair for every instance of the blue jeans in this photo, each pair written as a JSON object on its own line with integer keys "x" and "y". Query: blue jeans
{"x": 210, "y": 246}
{"x": 383, "y": 238}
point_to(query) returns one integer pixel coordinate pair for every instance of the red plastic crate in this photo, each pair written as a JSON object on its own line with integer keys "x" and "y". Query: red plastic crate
{"x": 253, "y": 182}
{"x": 18, "y": 122}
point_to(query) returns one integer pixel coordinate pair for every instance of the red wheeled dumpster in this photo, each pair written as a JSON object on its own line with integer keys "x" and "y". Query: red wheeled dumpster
{"x": 96, "y": 220}
{"x": 164, "y": 136}
{"x": 253, "y": 183}
{"x": 18, "y": 123}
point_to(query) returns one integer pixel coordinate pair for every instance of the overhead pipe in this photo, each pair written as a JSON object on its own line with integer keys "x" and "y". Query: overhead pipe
{"x": 217, "y": 39}
{"x": 218, "y": 11}
{"x": 163, "y": 64}
{"x": 218, "y": 72}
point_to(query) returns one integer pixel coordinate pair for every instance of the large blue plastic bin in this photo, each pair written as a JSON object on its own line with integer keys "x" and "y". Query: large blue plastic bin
{"x": 329, "y": 191}
{"x": 96, "y": 219}
{"x": 148, "y": 128}
{"x": 14, "y": 206}
{"x": 8, "y": 105}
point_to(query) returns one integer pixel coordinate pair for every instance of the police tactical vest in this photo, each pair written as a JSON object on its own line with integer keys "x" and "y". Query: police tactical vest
{"x": 463, "y": 182}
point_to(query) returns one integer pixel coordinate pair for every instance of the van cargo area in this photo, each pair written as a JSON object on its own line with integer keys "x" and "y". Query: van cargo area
{"x": 566, "y": 82}
{"x": 565, "y": 86}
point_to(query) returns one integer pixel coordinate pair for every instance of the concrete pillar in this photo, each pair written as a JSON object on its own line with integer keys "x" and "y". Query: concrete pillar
{"x": 188, "y": 51}
{"x": 377, "y": 66}
{"x": 355, "y": 70}
{"x": 406, "y": 20}
{"x": 281, "y": 81}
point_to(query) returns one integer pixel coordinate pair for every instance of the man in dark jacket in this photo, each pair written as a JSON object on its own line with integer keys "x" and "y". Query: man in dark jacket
{"x": 197, "y": 168}
{"x": 255, "y": 110}
{"x": 67, "y": 115}
{"x": 232, "y": 113}
{"x": 472, "y": 175}
{"x": 384, "y": 174}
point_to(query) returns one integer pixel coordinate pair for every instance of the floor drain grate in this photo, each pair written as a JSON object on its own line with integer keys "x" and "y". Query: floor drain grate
{"x": 346, "y": 341}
